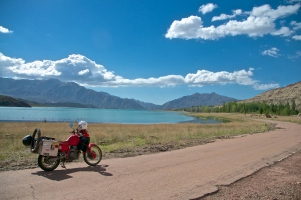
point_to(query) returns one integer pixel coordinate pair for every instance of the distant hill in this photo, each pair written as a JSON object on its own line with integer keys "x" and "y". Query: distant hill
{"x": 55, "y": 91}
{"x": 7, "y": 101}
{"x": 197, "y": 99}
{"x": 149, "y": 106}
{"x": 282, "y": 95}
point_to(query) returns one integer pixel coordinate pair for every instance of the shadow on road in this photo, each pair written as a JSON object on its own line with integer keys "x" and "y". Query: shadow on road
{"x": 60, "y": 175}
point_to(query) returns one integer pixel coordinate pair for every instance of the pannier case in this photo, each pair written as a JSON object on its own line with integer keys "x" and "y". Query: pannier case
{"x": 49, "y": 148}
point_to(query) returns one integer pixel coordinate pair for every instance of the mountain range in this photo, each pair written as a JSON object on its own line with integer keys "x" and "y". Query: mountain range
{"x": 53, "y": 91}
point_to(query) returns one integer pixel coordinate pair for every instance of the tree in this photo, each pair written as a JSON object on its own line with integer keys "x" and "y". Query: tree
{"x": 293, "y": 110}
{"x": 261, "y": 110}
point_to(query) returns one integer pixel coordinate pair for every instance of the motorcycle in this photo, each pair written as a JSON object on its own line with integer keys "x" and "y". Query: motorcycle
{"x": 52, "y": 152}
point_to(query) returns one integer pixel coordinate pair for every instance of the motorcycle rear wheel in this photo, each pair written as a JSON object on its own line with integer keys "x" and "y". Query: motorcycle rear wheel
{"x": 88, "y": 157}
{"x": 47, "y": 165}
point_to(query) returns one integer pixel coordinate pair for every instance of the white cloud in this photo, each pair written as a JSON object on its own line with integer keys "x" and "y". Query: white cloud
{"x": 281, "y": 11}
{"x": 271, "y": 52}
{"x": 6, "y": 62}
{"x": 284, "y": 31}
{"x": 260, "y": 22}
{"x": 84, "y": 71}
{"x": 265, "y": 86}
{"x": 75, "y": 67}
{"x": 164, "y": 81}
{"x": 207, "y": 8}
{"x": 297, "y": 37}
{"x": 204, "y": 77}
{"x": 296, "y": 24}
{"x": 4, "y": 30}
{"x": 224, "y": 16}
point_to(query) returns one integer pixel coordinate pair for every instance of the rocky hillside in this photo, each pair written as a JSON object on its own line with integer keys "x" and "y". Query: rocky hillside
{"x": 6, "y": 101}
{"x": 282, "y": 95}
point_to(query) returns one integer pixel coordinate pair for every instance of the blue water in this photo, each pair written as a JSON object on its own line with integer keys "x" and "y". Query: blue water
{"x": 94, "y": 115}
{"x": 91, "y": 115}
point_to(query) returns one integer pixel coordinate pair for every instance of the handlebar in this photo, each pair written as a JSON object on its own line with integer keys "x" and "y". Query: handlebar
{"x": 75, "y": 131}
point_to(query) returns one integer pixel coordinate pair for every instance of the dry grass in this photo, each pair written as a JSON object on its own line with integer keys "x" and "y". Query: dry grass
{"x": 113, "y": 137}
{"x": 239, "y": 117}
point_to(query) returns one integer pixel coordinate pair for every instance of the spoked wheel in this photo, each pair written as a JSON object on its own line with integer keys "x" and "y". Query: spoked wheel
{"x": 47, "y": 164}
{"x": 93, "y": 156}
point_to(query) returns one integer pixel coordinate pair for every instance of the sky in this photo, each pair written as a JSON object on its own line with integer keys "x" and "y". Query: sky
{"x": 154, "y": 51}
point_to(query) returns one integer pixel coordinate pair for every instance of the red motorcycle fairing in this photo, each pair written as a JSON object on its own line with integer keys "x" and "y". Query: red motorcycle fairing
{"x": 73, "y": 140}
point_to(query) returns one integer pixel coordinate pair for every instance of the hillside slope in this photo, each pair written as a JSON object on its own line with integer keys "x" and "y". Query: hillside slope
{"x": 282, "y": 95}
{"x": 6, "y": 101}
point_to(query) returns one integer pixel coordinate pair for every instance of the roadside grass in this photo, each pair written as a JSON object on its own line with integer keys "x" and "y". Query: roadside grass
{"x": 239, "y": 117}
{"x": 114, "y": 137}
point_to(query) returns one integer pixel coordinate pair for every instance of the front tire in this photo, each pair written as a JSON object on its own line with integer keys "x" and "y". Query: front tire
{"x": 93, "y": 156}
{"x": 47, "y": 165}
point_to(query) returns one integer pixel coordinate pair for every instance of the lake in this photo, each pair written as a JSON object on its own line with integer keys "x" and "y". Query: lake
{"x": 95, "y": 115}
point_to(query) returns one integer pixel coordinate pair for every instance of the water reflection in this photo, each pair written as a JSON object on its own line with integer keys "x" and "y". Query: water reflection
{"x": 209, "y": 120}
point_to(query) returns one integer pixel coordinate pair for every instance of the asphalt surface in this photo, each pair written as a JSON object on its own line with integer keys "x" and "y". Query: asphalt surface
{"x": 181, "y": 174}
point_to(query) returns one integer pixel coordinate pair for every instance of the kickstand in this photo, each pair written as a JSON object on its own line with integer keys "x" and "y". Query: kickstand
{"x": 63, "y": 165}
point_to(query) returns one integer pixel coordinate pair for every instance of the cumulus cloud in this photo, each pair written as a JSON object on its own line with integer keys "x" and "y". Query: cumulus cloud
{"x": 265, "y": 86}
{"x": 204, "y": 77}
{"x": 75, "y": 67}
{"x": 84, "y": 71}
{"x": 284, "y": 31}
{"x": 207, "y": 8}
{"x": 297, "y": 37}
{"x": 274, "y": 52}
{"x": 260, "y": 22}
{"x": 4, "y": 30}
{"x": 224, "y": 16}
{"x": 297, "y": 25}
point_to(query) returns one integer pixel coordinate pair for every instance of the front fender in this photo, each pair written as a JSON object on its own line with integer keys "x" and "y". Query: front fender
{"x": 92, "y": 152}
{"x": 92, "y": 144}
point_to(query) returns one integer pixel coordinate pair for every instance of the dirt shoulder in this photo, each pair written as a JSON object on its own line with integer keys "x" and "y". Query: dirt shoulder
{"x": 280, "y": 181}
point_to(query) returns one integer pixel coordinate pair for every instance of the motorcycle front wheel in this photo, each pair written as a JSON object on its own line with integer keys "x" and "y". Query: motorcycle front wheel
{"x": 46, "y": 164}
{"x": 94, "y": 156}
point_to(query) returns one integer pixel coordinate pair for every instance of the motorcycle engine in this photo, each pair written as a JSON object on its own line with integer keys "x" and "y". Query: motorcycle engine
{"x": 73, "y": 154}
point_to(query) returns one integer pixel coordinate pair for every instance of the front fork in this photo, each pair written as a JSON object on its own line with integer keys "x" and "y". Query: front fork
{"x": 91, "y": 153}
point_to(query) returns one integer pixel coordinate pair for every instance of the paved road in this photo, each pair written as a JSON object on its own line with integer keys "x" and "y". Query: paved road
{"x": 182, "y": 174}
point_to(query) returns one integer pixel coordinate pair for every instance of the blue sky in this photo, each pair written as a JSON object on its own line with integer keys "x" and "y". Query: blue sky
{"x": 154, "y": 51}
